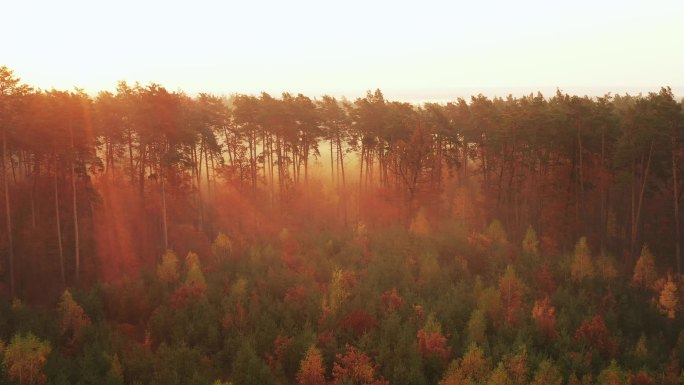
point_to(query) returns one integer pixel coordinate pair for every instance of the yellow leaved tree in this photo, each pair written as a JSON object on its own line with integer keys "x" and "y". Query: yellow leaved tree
{"x": 194, "y": 275}
{"x": 644, "y": 271}
{"x": 337, "y": 293}
{"x": 530, "y": 244}
{"x": 24, "y": 359}
{"x": 311, "y": 368}
{"x": 222, "y": 247}
{"x": 167, "y": 270}
{"x": 72, "y": 316}
{"x": 668, "y": 298}
{"x": 420, "y": 224}
{"x": 582, "y": 266}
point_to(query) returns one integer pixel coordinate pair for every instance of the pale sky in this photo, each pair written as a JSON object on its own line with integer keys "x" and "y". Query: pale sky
{"x": 417, "y": 49}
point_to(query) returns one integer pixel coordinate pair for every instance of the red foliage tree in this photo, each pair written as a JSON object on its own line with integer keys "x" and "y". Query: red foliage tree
{"x": 511, "y": 292}
{"x": 544, "y": 315}
{"x": 359, "y": 322}
{"x": 433, "y": 343}
{"x": 356, "y": 368}
{"x": 642, "y": 378}
{"x": 391, "y": 300}
{"x": 185, "y": 295}
{"x": 296, "y": 296}
{"x": 281, "y": 345}
{"x": 544, "y": 279}
{"x": 595, "y": 334}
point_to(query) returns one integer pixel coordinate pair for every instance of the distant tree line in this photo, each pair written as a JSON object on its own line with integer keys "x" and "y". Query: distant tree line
{"x": 605, "y": 167}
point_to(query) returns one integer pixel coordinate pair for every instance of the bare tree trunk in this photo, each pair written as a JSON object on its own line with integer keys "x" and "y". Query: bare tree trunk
{"x": 603, "y": 216}
{"x": 77, "y": 252}
{"x": 59, "y": 229}
{"x": 675, "y": 195}
{"x": 130, "y": 154}
{"x": 8, "y": 216}
{"x": 580, "y": 173}
{"x": 206, "y": 167}
{"x": 33, "y": 193}
{"x": 196, "y": 167}
{"x": 344, "y": 184}
{"x": 332, "y": 166}
{"x": 635, "y": 225}
{"x": 165, "y": 232}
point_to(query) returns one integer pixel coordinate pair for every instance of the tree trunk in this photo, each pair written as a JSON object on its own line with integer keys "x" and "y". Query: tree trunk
{"x": 332, "y": 163}
{"x": 603, "y": 217}
{"x": 77, "y": 252}
{"x": 8, "y": 216}
{"x": 675, "y": 196}
{"x": 637, "y": 216}
{"x": 165, "y": 233}
{"x": 130, "y": 154}
{"x": 59, "y": 229}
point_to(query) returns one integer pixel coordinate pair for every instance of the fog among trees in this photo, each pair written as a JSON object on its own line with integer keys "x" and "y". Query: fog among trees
{"x": 153, "y": 237}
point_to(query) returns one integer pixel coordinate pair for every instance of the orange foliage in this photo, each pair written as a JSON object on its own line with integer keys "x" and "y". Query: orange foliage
{"x": 359, "y": 322}
{"x": 296, "y": 296}
{"x": 642, "y": 378}
{"x": 186, "y": 294}
{"x": 391, "y": 300}
{"x": 281, "y": 345}
{"x": 433, "y": 343}
{"x": 311, "y": 370}
{"x": 24, "y": 359}
{"x": 356, "y": 368}
{"x": 474, "y": 365}
{"x": 544, "y": 278}
{"x": 595, "y": 334}
{"x": 73, "y": 318}
{"x": 668, "y": 298}
{"x": 511, "y": 291}
{"x": 544, "y": 315}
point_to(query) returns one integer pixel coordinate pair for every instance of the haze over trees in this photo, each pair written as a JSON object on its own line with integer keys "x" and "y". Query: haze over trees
{"x": 156, "y": 237}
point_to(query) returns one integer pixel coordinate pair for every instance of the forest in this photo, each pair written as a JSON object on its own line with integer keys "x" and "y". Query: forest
{"x": 155, "y": 237}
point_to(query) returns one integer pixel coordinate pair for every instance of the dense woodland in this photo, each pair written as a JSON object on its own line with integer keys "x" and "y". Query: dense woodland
{"x": 153, "y": 237}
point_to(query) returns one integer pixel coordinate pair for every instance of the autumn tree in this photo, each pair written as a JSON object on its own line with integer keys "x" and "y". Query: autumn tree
{"x": 477, "y": 327}
{"x": 73, "y": 318}
{"x": 645, "y": 273}
{"x": 167, "y": 269}
{"x": 311, "y": 369}
{"x": 356, "y": 368}
{"x": 667, "y": 302}
{"x": 24, "y": 359}
{"x": 547, "y": 374}
{"x": 544, "y": 315}
{"x": 511, "y": 293}
{"x": 582, "y": 266}
{"x": 530, "y": 244}
{"x": 431, "y": 341}
{"x": 222, "y": 247}
{"x": 11, "y": 92}
{"x": 593, "y": 334}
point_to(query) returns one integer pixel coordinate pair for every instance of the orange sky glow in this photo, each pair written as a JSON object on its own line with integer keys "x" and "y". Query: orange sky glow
{"x": 429, "y": 50}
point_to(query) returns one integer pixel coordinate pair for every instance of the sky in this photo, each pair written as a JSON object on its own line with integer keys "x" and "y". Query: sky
{"x": 412, "y": 50}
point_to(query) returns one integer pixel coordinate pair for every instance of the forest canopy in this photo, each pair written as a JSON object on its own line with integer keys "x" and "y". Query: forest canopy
{"x": 150, "y": 236}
